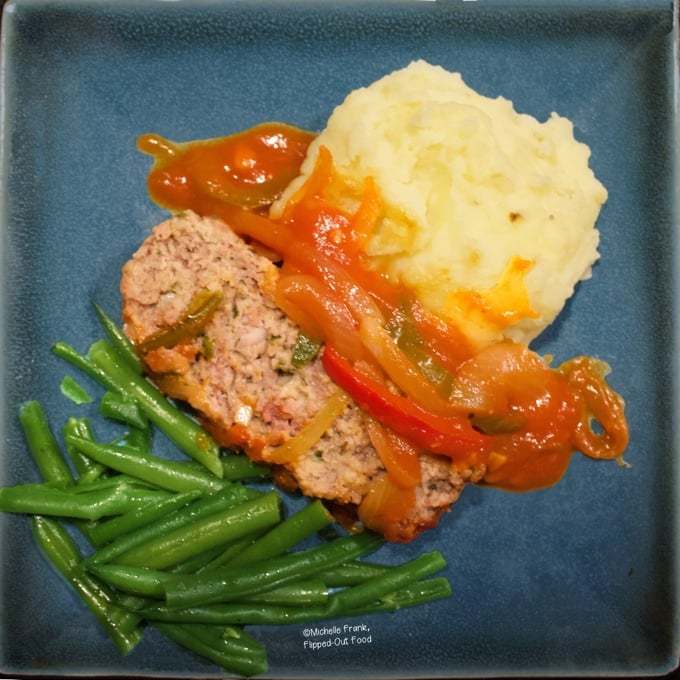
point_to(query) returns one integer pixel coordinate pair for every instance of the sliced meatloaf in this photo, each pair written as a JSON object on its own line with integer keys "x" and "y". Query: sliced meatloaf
{"x": 238, "y": 373}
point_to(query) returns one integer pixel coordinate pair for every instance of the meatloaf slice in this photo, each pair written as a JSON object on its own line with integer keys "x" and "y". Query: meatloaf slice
{"x": 238, "y": 373}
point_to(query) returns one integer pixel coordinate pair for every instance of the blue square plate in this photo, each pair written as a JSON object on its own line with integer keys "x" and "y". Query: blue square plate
{"x": 577, "y": 580}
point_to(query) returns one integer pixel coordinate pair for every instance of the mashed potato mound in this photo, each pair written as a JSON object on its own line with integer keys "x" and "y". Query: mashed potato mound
{"x": 489, "y": 214}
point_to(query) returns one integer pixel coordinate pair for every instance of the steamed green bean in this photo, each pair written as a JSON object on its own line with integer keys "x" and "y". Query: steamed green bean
{"x": 343, "y": 601}
{"x": 352, "y": 573}
{"x": 134, "y": 580}
{"x": 74, "y": 391}
{"x": 184, "y": 545}
{"x": 185, "y": 432}
{"x": 116, "y": 406}
{"x": 121, "y": 343}
{"x": 286, "y": 534}
{"x": 121, "y": 624}
{"x": 246, "y": 612}
{"x": 42, "y": 499}
{"x": 87, "y": 469}
{"x": 230, "y": 583}
{"x": 167, "y": 474}
{"x": 42, "y": 444}
{"x": 181, "y": 517}
{"x": 211, "y": 531}
{"x": 228, "y": 656}
{"x": 70, "y": 354}
{"x": 238, "y": 467}
{"x": 137, "y": 517}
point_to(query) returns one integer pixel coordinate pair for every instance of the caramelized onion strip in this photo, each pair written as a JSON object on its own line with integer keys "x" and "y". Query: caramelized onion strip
{"x": 399, "y": 456}
{"x": 312, "y": 431}
{"x": 319, "y": 312}
{"x": 601, "y": 403}
{"x": 401, "y": 370}
{"x": 385, "y": 506}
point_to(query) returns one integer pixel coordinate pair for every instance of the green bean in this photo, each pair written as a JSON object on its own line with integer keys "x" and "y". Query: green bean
{"x": 240, "y": 613}
{"x": 118, "y": 407}
{"x": 230, "y": 583}
{"x": 204, "y": 534}
{"x": 105, "y": 532}
{"x": 88, "y": 470}
{"x": 412, "y": 595}
{"x": 197, "y": 562}
{"x": 140, "y": 439}
{"x": 151, "y": 583}
{"x": 246, "y": 612}
{"x": 297, "y": 593}
{"x": 286, "y": 534}
{"x": 238, "y": 467}
{"x": 74, "y": 391}
{"x": 166, "y": 474}
{"x": 62, "y": 552}
{"x": 133, "y": 580}
{"x": 42, "y": 499}
{"x": 46, "y": 452}
{"x": 228, "y": 656}
{"x": 185, "y": 432}
{"x": 43, "y": 446}
{"x": 239, "y": 639}
{"x": 70, "y": 354}
{"x": 228, "y": 497}
{"x": 121, "y": 343}
{"x": 228, "y": 553}
{"x": 352, "y": 573}
{"x": 114, "y": 481}
{"x": 343, "y": 601}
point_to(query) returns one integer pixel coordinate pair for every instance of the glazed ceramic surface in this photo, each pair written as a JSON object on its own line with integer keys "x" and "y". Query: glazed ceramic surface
{"x": 579, "y": 579}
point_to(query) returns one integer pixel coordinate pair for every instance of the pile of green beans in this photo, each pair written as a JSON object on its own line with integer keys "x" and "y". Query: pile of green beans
{"x": 188, "y": 547}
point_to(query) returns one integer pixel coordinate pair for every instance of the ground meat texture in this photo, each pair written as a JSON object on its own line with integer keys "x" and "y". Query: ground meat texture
{"x": 238, "y": 373}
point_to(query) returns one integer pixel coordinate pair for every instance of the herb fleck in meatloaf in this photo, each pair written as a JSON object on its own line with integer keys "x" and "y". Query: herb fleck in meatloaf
{"x": 238, "y": 373}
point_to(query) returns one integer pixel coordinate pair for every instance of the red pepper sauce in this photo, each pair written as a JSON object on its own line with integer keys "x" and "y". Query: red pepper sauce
{"x": 536, "y": 416}
{"x": 539, "y": 416}
{"x": 249, "y": 169}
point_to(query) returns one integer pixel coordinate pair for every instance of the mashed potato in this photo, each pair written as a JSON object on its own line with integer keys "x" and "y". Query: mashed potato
{"x": 489, "y": 214}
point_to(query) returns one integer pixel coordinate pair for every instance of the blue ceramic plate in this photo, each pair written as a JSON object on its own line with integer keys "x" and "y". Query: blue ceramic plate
{"x": 576, "y": 580}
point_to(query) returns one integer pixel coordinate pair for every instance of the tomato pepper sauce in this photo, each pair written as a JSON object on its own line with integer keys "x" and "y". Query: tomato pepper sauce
{"x": 528, "y": 418}
{"x": 249, "y": 169}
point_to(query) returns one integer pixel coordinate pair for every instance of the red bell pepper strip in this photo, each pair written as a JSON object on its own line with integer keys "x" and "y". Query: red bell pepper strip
{"x": 450, "y": 436}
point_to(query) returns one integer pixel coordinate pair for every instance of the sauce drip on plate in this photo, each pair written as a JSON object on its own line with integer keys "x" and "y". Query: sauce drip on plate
{"x": 248, "y": 169}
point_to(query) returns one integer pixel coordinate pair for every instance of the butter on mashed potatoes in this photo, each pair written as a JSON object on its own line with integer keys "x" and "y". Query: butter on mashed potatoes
{"x": 489, "y": 214}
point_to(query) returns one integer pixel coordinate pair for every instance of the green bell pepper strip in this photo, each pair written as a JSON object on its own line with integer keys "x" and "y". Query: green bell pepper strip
{"x": 190, "y": 324}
